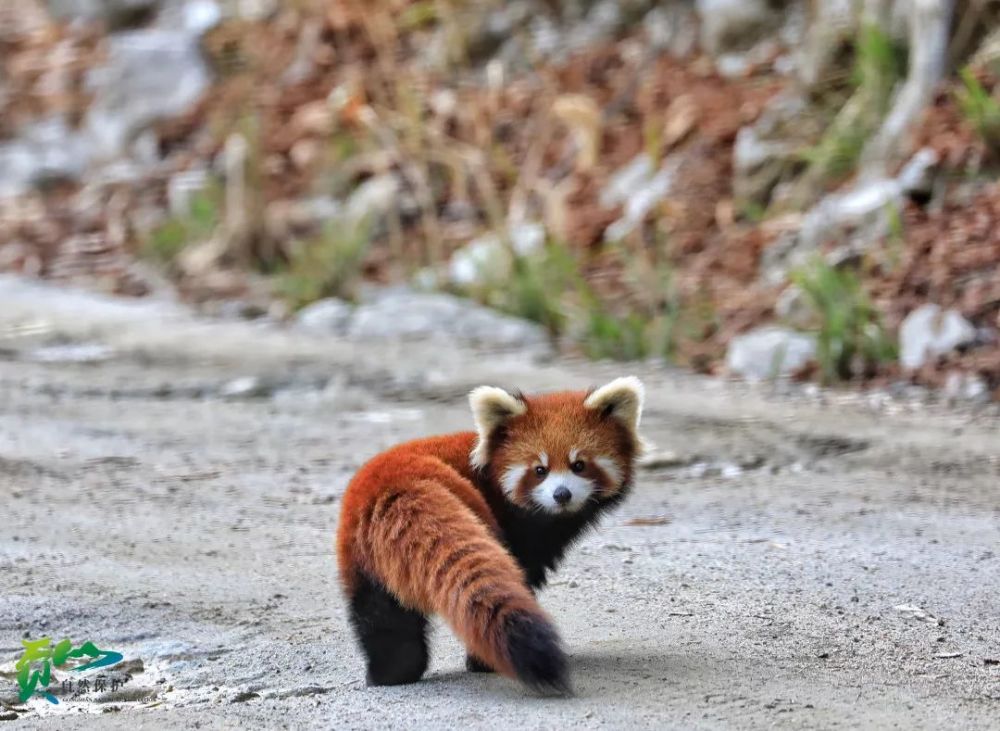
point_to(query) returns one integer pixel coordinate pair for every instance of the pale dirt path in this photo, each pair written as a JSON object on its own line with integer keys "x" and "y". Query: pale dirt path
{"x": 146, "y": 512}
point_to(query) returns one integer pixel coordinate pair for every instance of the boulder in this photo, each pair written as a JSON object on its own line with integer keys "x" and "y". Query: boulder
{"x": 768, "y": 352}
{"x": 401, "y": 313}
{"x": 930, "y": 331}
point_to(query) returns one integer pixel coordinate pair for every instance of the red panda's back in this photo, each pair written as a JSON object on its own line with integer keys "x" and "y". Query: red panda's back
{"x": 445, "y": 458}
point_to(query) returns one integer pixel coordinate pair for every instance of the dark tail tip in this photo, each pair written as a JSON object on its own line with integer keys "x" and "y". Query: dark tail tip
{"x": 536, "y": 654}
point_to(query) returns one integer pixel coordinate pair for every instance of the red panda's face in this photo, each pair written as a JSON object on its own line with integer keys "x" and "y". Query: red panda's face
{"x": 557, "y": 453}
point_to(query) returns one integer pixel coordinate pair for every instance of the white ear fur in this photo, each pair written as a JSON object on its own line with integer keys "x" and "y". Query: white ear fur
{"x": 622, "y": 399}
{"x": 491, "y": 407}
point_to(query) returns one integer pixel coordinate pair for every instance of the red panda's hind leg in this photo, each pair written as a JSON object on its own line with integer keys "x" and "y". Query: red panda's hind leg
{"x": 394, "y": 638}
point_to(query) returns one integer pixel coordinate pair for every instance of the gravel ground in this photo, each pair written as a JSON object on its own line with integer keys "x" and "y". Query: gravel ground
{"x": 170, "y": 490}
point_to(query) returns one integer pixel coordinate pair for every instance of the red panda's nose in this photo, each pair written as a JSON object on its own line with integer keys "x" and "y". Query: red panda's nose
{"x": 562, "y": 495}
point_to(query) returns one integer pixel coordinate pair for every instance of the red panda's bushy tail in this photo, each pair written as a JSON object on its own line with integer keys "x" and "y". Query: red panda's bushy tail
{"x": 434, "y": 554}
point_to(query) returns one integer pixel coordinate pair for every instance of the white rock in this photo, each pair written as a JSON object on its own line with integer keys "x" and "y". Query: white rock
{"x": 915, "y": 175}
{"x": 244, "y": 387}
{"x": 374, "y": 197}
{"x": 729, "y": 24}
{"x": 326, "y": 316}
{"x": 769, "y": 352}
{"x": 150, "y": 75}
{"x": 255, "y": 9}
{"x": 469, "y": 263}
{"x": 672, "y": 28}
{"x": 489, "y": 255}
{"x": 638, "y": 187}
{"x": 47, "y": 150}
{"x": 930, "y": 331}
{"x": 732, "y": 65}
{"x": 200, "y": 16}
{"x": 626, "y": 180}
{"x": 960, "y": 386}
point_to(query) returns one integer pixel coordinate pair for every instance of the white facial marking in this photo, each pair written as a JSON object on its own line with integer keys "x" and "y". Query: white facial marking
{"x": 573, "y": 454}
{"x": 611, "y": 469}
{"x": 512, "y": 478}
{"x": 579, "y": 488}
{"x": 544, "y": 459}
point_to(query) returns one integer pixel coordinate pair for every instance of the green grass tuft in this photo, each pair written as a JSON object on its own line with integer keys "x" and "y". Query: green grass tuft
{"x": 327, "y": 266}
{"x": 851, "y": 339}
{"x": 980, "y": 109}
{"x": 165, "y": 242}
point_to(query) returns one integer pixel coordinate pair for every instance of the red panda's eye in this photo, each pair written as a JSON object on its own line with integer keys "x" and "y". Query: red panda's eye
{"x": 578, "y": 466}
{"x": 541, "y": 471}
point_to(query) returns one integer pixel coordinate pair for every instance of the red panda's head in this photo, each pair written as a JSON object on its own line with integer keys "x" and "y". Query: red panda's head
{"x": 558, "y": 452}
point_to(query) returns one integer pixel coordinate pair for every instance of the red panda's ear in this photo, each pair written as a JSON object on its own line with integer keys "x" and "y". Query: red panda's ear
{"x": 621, "y": 399}
{"x": 491, "y": 408}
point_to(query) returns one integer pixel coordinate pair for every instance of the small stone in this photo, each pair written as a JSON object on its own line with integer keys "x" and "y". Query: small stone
{"x": 256, "y": 10}
{"x": 626, "y": 180}
{"x": 330, "y": 315}
{"x": 488, "y": 256}
{"x": 245, "y": 387}
{"x": 959, "y": 386}
{"x": 733, "y": 65}
{"x": 930, "y": 331}
{"x": 374, "y": 197}
{"x": 638, "y": 187}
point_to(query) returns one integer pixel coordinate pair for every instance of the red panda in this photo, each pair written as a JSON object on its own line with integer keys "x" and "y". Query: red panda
{"x": 468, "y": 525}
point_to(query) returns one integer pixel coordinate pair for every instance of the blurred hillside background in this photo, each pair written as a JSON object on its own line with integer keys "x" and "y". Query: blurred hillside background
{"x": 757, "y": 187}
